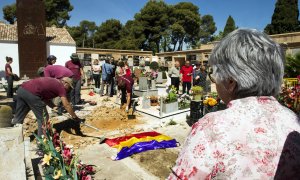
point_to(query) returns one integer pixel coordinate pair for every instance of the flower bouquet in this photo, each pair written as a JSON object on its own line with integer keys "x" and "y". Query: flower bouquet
{"x": 59, "y": 160}
{"x": 290, "y": 97}
{"x": 212, "y": 103}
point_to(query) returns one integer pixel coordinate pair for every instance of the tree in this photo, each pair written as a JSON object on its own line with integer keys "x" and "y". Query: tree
{"x": 207, "y": 28}
{"x": 132, "y": 36}
{"x": 108, "y": 34}
{"x": 9, "y": 13}
{"x": 186, "y": 25}
{"x": 229, "y": 27}
{"x": 217, "y": 37}
{"x": 84, "y": 33}
{"x": 153, "y": 17}
{"x": 57, "y": 12}
{"x": 285, "y": 17}
{"x": 292, "y": 66}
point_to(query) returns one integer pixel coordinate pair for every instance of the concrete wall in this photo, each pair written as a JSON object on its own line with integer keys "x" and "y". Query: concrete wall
{"x": 62, "y": 52}
{"x": 9, "y": 49}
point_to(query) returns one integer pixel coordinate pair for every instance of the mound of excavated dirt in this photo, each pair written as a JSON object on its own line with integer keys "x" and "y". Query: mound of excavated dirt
{"x": 107, "y": 119}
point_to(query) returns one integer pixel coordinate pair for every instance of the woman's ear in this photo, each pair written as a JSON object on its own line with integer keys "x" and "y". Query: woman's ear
{"x": 231, "y": 85}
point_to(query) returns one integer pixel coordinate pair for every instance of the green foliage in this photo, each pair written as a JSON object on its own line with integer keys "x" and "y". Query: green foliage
{"x": 108, "y": 33}
{"x": 285, "y": 17}
{"x": 172, "y": 122}
{"x": 186, "y": 22}
{"x": 292, "y": 66}
{"x": 153, "y": 19}
{"x": 57, "y": 12}
{"x": 217, "y": 37}
{"x": 229, "y": 27}
{"x": 172, "y": 96}
{"x": 83, "y": 34}
{"x": 9, "y": 13}
{"x": 197, "y": 90}
{"x": 207, "y": 28}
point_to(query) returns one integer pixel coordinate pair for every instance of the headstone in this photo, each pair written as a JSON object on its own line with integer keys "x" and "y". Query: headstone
{"x": 146, "y": 104}
{"x": 31, "y": 36}
{"x": 143, "y": 83}
{"x": 159, "y": 79}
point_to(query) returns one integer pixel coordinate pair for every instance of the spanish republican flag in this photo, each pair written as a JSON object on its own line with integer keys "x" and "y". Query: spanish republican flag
{"x": 136, "y": 143}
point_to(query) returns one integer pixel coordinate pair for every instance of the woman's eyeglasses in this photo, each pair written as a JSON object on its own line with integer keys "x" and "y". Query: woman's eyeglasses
{"x": 212, "y": 79}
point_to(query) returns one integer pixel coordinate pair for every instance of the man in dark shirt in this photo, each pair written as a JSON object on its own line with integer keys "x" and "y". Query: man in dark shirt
{"x": 55, "y": 71}
{"x": 125, "y": 84}
{"x": 37, "y": 93}
{"x": 75, "y": 66}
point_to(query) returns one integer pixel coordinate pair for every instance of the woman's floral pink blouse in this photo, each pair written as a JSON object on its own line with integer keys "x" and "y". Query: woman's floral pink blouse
{"x": 242, "y": 142}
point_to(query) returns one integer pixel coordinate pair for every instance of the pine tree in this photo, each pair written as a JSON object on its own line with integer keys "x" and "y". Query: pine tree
{"x": 285, "y": 17}
{"x": 229, "y": 27}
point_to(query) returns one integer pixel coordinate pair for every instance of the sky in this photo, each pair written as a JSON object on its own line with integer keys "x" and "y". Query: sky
{"x": 246, "y": 13}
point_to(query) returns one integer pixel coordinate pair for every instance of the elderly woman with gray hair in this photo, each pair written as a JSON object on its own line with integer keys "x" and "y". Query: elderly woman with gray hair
{"x": 245, "y": 140}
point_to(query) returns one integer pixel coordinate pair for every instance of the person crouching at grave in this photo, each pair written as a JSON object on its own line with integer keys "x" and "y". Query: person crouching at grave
{"x": 57, "y": 72}
{"x": 50, "y": 60}
{"x": 37, "y": 93}
{"x": 125, "y": 84}
{"x": 9, "y": 77}
{"x": 75, "y": 66}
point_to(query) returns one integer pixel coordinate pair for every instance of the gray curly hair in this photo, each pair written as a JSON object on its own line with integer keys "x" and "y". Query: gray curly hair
{"x": 252, "y": 59}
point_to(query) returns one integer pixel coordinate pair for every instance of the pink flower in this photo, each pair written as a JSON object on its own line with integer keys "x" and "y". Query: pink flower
{"x": 260, "y": 130}
{"x": 88, "y": 177}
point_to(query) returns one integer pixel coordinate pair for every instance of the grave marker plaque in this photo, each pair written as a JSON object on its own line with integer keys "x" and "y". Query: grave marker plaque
{"x": 31, "y": 36}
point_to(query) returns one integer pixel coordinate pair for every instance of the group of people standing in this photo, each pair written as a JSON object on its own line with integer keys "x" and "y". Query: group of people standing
{"x": 114, "y": 74}
{"x": 188, "y": 76}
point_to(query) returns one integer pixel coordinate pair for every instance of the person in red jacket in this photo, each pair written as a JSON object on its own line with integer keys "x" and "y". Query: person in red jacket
{"x": 187, "y": 72}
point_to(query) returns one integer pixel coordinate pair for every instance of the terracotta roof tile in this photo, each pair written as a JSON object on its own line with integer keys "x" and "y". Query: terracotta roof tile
{"x": 54, "y": 35}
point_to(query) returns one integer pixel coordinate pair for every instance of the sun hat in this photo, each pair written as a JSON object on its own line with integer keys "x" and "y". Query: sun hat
{"x": 74, "y": 56}
{"x": 69, "y": 81}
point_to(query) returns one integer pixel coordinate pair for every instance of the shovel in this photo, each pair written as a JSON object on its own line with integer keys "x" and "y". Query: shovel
{"x": 83, "y": 123}
{"x": 132, "y": 116}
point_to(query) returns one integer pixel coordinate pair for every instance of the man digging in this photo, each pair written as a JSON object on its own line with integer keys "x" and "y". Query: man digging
{"x": 37, "y": 93}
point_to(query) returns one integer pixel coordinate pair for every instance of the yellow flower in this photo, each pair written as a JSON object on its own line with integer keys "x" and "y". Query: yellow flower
{"x": 46, "y": 159}
{"x": 45, "y": 140}
{"x": 57, "y": 149}
{"x": 57, "y": 174}
{"x": 212, "y": 102}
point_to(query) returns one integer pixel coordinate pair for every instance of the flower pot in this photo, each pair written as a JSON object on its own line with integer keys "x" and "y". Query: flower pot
{"x": 197, "y": 97}
{"x": 5, "y": 116}
{"x": 170, "y": 107}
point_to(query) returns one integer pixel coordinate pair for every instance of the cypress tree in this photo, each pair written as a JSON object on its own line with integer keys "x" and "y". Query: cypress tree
{"x": 229, "y": 27}
{"x": 285, "y": 17}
